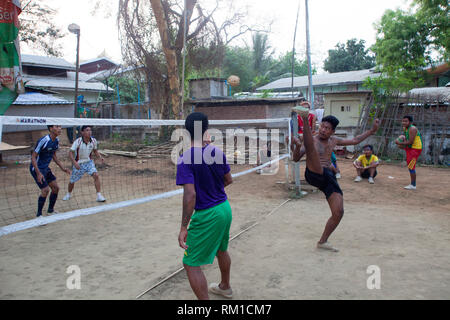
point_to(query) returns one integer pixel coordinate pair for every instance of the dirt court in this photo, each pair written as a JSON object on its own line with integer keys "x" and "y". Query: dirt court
{"x": 121, "y": 253}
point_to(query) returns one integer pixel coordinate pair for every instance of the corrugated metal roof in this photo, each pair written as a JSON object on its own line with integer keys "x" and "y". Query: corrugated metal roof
{"x": 36, "y": 98}
{"x": 98, "y": 59}
{"x": 48, "y": 62}
{"x": 63, "y": 83}
{"x": 327, "y": 79}
{"x": 436, "y": 93}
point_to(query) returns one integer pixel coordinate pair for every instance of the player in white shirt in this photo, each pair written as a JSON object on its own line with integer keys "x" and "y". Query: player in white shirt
{"x": 81, "y": 156}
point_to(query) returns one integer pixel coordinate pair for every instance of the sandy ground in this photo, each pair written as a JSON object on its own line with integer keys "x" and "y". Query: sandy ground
{"x": 122, "y": 253}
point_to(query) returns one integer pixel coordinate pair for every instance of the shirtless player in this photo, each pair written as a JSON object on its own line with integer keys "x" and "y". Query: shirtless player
{"x": 318, "y": 150}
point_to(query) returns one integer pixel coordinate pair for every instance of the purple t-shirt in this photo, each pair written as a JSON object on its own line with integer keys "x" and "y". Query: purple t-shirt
{"x": 205, "y": 168}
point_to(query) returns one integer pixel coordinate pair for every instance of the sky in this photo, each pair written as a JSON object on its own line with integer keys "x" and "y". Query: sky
{"x": 330, "y": 22}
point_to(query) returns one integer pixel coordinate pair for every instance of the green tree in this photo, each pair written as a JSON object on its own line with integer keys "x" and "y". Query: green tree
{"x": 435, "y": 14}
{"x": 282, "y": 67}
{"x": 128, "y": 90}
{"x": 349, "y": 57}
{"x": 408, "y": 42}
{"x": 239, "y": 61}
{"x": 261, "y": 54}
{"x": 402, "y": 49}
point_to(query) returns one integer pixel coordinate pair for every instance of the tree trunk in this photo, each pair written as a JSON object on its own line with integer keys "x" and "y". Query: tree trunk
{"x": 171, "y": 58}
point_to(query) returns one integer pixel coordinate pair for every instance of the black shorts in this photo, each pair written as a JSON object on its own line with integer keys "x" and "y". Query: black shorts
{"x": 326, "y": 182}
{"x": 48, "y": 177}
{"x": 366, "y": 174}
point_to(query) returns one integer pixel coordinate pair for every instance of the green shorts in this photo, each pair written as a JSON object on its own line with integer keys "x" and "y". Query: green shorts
{"x": 208, "y": 232}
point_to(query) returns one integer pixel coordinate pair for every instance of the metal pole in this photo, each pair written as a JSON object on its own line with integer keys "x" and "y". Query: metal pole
{"x": 184, "y": 57}
{"x": 118, "y": 94}
{"x": 308, "y": 54}
{"x": 293, "y": 52}
{"x": 76, "y": 74}
{"x": 139, "y": 101}
{"x": 77, "y": 66}
{"x": 298, "y": 186}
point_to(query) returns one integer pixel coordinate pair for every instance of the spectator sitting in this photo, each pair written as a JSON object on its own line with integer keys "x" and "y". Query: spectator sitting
{"x": 366, "y": 165}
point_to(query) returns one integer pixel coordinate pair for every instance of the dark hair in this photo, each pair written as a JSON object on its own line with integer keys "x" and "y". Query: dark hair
{"x": 85, "y": 127}
{"x": 50, "y": 126}
{"x": 368, "y": 146}
{"x": 331, "y": 120}
{"x": 410, "y": 118}
{"x": 194, "y": 117}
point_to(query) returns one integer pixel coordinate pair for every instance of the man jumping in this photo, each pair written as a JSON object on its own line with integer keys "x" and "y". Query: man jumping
{"x": 318, "y": 161}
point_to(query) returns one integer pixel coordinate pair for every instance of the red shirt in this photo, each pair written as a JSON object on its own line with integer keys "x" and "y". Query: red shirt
{"x": 300, "y": 122}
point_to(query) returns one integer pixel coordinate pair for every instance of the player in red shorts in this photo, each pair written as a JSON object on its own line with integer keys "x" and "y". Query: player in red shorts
{"x": 413, "y": 146}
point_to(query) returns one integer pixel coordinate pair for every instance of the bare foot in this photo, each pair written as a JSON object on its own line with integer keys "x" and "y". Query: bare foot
{"x": 326, "y": 246}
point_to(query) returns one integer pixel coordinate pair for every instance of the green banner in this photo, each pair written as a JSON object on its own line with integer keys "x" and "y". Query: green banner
{"x": 10, "y": 80}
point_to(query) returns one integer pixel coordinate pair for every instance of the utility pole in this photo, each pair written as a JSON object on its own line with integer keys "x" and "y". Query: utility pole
{"x": 74, "y": 28}
{"x": 308, "y": 55}
{"x": 293, "y": 52}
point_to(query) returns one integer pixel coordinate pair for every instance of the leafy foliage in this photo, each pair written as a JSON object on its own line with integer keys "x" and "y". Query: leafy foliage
{"x": 408, "y": 42}
{"x": 349, "y": 57}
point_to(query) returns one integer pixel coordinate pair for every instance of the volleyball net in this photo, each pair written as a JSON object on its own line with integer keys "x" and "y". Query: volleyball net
{"x": 140, "y": 158}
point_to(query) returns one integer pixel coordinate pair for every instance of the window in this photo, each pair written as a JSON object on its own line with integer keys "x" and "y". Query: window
{"x": 345, "y": 108}
{"x": 342, "y": 108}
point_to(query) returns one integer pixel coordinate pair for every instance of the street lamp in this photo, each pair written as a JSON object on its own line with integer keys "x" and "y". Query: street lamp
{"x": 74, "y": 28}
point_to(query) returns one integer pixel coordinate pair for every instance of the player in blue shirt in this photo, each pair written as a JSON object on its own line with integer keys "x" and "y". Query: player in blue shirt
{"x": 42, "y": 155}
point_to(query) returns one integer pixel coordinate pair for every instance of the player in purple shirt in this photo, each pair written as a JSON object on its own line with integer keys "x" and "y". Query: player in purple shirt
{"x": 204, "y": 173}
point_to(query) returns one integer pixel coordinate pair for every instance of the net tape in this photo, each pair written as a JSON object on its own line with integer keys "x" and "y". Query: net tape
{"x": 41, "y": 121}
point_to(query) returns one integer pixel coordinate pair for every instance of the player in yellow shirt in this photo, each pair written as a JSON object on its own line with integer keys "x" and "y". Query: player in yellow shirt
{"x": 413, "y": 145}
{"x": 366, "y": 165}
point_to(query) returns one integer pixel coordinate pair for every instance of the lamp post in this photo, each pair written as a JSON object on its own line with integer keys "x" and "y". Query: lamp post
{"x": 74, "y": 28}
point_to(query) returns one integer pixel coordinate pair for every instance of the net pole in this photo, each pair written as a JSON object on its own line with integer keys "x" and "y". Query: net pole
{"x": 298, "y": 186}
{"x": 288, "y": 147}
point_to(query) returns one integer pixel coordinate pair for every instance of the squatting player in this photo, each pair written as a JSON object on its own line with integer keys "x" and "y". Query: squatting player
{"x": 318, "y": 151}
{"x": 41, "y": 157}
